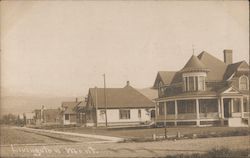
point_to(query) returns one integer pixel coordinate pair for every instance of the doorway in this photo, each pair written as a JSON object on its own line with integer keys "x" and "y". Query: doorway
{"x": 227, "y": 107}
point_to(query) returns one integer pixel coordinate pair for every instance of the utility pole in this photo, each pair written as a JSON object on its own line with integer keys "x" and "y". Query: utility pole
{"x": 105, "y": 101}
{"x": 165, "y": 118}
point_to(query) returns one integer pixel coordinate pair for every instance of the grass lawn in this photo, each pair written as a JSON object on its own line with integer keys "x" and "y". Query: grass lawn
{"x": 23, "y": 136}
{"x": 147, "y": 133}
{"x": 13, "y": 136}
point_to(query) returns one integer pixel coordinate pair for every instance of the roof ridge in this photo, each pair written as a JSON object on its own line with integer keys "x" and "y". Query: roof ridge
{"x": 204, "y": 52}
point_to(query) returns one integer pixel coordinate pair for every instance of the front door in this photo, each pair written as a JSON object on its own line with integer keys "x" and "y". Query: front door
{"x": 227, "y": 107}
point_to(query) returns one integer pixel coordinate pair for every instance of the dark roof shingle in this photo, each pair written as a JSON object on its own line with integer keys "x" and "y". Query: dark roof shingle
{"x": 126, "y": 97}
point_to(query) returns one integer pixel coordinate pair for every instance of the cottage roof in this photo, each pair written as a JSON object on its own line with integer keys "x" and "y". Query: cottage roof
{"x": 194, "y": 64}
{"x": 70, "y": 107}
{"x": 149, "y": 93}
{"x": 126, "y": 97}
{"x": 51, "y": 112}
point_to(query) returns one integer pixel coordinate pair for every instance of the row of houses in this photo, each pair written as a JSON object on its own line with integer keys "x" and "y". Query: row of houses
{"x": 120, "y": 106}
{"x": 206, "y": 91}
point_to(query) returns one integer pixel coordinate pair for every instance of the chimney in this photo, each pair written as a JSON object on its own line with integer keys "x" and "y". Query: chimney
{"x": 228, "y": 56}
{"x": 128, "y": 83}
{"x": 76, "y": 99}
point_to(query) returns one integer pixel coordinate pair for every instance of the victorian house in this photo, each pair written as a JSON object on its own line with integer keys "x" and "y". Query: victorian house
{"x": 206, "y": 91}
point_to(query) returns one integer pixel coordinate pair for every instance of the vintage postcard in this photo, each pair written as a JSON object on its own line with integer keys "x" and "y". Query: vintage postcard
{"x": 125, "y": 78}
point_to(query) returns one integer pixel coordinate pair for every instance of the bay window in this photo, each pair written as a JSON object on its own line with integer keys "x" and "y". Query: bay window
{"x": 194, "y": 83}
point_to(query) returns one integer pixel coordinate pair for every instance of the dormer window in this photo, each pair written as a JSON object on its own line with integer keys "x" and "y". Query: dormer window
{"x": 194, "y": 73}
{"x": 243, "y": 83}
{"x": 194, "y": 83}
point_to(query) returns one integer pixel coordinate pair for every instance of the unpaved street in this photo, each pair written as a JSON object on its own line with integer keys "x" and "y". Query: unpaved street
{"x": 95, "y": 149}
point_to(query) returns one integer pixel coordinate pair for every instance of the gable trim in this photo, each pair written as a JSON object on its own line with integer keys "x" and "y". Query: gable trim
{"x": 230, "y": 90}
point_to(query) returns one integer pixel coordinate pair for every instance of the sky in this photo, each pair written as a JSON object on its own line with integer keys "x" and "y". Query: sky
{"x": 62, "y": 48}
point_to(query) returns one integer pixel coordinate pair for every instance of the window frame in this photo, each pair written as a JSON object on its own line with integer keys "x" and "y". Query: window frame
{"x": 66, "y": 118}
{"x": 196, "y": 85}
{"x": 139, "y": 113}
{"x": 240, "y": 82}
{"x": 121, "y": 115}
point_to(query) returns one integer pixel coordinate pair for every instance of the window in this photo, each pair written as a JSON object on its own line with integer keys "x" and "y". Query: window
{"x": 160, "y": 88}
{"x": 208, "y": 105}
{"x": 66, "y": 116}
{"x": 236, "y": 105}
{"x": 194, "y": 83}
{"x": 201, "y": 83}
{"x": 139, "y": 113}
{"x": 124, "y": 114}
{"x": 186, "y": 106}
{"x": 191, "y": 83}
{"x": 170, "y": 107}
{"x": 246, "y": 104}
{"x": 243, "y": 83}
{"x": 186, "y": 83}
{"x": 102, "y": 114}
{"x": 161, "y": 108}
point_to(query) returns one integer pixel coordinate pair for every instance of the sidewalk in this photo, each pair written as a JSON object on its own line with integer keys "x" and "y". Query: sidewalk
{"x": 105, "y": 138}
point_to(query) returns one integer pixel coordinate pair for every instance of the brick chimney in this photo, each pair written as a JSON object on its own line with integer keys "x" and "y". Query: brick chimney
{"x": 128, "y": 83}
{"x": 228, "y": 56}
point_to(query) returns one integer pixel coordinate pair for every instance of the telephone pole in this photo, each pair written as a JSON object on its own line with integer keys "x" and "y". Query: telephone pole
{"x": 105, "y": 101}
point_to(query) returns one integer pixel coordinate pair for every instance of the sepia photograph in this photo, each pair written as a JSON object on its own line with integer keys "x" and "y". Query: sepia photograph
{"x": 124, "y": 78}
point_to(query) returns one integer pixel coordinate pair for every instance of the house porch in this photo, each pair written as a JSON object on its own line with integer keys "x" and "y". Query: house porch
{"x": 223, "y": 110}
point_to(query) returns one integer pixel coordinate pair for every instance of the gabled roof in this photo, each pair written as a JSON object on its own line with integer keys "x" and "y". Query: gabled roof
{"x": 194, "y": 64}
{"x": 126, "y": 97}
{"x": 70, "y": 107}
{"x": 217, "y": 67}
{"x": 165, "y": 77}
{"x": 232, "y": 68}
{"x": 51, "y": 112}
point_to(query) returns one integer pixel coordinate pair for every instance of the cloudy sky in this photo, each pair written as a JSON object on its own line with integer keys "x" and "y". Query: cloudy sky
{"x": 61, "y": 48}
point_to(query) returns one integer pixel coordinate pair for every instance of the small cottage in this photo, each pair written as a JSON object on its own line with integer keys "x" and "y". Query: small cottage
{"x": 118, "y": 107}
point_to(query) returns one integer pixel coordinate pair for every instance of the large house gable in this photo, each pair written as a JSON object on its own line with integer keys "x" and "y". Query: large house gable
{"x": 164, "y": 78}
{"x": 216, "y": 66}
{"x": 236, "y": 68}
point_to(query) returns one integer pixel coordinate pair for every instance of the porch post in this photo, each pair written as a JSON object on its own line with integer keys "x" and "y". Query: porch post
{"x": 156, "y": 112}
{"x": 222, "y": 111}
{"x": 165, "y": 118}
{"x": 165, "y": 113}
{"x": 222, "y": 108}
{"x": 219, "y": 108}
{"x": 176, "y": 112}
{"x": 231, "y": 107}
{"x": 241, "y": 107}
{"x": 197, "y": 113}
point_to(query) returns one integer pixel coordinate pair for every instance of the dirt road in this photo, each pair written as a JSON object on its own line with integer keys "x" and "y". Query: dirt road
{"x": 143, "y": 149}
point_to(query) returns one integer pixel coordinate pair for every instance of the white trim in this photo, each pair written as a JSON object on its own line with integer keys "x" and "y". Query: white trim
{"x": 188, "y": 98}
{"x": 227, "y": 91}
{"x": 194, "y": 74}
{"x": 231, "y": 76}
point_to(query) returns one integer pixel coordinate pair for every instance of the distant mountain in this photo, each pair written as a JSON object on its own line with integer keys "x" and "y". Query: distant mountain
{"x": 26, "y": 103}
{"x": 21, "y": 104}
